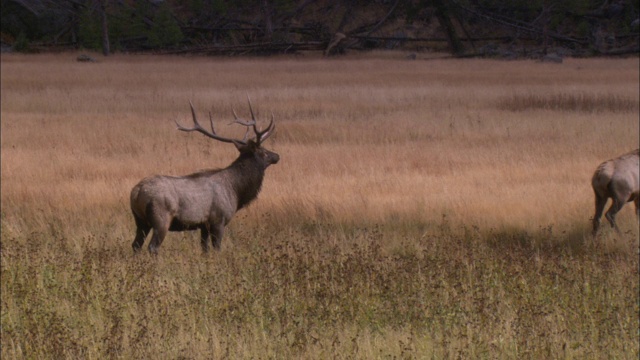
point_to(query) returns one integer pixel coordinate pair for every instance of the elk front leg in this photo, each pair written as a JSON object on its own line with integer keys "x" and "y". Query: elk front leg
{"x": 204, "y": 238}
{"x": 217, "y": 231}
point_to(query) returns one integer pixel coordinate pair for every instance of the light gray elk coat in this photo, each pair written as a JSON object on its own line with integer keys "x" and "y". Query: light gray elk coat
{"x": 205, "y": 200}
{"x": 616, "y": 179}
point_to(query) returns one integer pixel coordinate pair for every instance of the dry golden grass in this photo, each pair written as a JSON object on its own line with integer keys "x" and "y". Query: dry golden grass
{"x": 421, "y": 209}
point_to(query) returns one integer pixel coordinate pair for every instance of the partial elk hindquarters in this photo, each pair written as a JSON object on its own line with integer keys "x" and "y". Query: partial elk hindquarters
{"x": 616, "y": 179}
{"x": 206, "y": 200}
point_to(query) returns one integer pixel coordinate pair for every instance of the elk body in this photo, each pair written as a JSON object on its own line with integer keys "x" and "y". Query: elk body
{"x": 616, "y": 179}
{"x": 206, "y": 200}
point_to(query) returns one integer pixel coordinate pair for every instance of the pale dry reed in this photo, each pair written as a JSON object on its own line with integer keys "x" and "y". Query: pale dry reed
{"x": 361, "y": 139}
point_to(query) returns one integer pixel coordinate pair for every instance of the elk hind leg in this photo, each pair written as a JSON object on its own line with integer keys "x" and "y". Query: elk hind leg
{"x": 142, "y": 230}
{"x": 613, "y": 210}
{"x": 601, "y": 201}
{"x": 160, "y": 228}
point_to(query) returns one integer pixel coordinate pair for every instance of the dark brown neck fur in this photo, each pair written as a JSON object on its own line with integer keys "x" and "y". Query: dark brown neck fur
{"x": 246, "y": 175}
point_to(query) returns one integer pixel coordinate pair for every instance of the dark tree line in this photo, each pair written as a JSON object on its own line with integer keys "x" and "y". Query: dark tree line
{"x": 461, "y": 27}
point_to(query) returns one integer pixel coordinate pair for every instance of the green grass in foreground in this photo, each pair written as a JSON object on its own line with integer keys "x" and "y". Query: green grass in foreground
{"x": 323, "y": 290}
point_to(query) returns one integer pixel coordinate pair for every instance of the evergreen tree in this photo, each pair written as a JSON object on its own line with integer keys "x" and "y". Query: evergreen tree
{"x": 165, "y": 30}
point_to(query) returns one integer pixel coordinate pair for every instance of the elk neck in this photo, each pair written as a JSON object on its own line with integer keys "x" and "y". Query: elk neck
{"x": 246, "y": 175}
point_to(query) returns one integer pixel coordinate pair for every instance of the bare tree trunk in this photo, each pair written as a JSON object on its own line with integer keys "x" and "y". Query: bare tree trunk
{"x": 545, "y": 38}
{"x": 105, "y": 28}
{"x": 381, "y": 22}
{"x": 442, "y": 12}
{"x": 464, "y": 30}
{"x": 75, "y": 24}
{"x": 346, "y": 16}
{"x": 268, "y": 22}
{"x": 338, "y": 36}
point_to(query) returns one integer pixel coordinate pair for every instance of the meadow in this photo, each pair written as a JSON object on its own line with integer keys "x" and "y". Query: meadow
{"x": 427, "y": 209}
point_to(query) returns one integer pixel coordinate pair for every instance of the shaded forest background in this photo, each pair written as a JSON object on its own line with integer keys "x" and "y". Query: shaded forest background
{"x": 490, "y": 28}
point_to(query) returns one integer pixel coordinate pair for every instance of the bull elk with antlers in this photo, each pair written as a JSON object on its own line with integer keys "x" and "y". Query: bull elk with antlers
{"x": 205, "y": 200}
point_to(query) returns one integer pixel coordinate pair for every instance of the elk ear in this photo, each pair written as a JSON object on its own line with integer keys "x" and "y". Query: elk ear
{"x": 240, "y": 146}
{"x": 250, "y": 146}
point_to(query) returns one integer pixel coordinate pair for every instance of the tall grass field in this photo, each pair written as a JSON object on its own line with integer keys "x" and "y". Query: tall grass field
{"x": 427, "y": 209}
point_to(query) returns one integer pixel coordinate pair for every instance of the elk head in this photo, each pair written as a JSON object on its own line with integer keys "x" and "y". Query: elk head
{"x": 246, "y": 147}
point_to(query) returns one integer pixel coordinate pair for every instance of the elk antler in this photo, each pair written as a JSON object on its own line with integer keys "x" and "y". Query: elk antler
{"x": 197, "y": 127}
{"x": 260, "y": 135}
{"x": 263, "y": 135}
